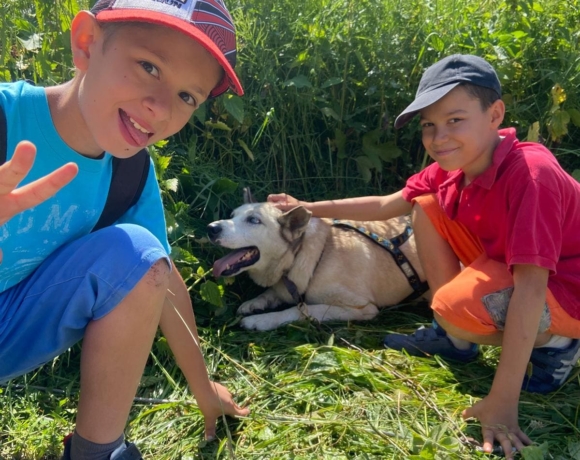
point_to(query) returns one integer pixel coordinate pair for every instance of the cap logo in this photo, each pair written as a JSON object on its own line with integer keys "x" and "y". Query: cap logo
{"x": 182, "y": 9}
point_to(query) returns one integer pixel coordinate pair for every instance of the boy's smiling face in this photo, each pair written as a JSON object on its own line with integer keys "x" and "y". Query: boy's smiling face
{"x": 458, "y": 134}
{"x": 142, "y": 86}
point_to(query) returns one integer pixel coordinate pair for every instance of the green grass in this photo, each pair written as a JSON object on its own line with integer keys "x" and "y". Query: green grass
{"x": 316, "y": 392}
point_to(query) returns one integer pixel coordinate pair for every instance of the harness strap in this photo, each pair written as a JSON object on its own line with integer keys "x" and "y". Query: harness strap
{"x": 393, "y": 247}
{"x": 293, "y": 290}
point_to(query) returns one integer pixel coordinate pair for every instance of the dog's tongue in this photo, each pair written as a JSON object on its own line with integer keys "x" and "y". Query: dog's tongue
{"x": 221, "y": 265}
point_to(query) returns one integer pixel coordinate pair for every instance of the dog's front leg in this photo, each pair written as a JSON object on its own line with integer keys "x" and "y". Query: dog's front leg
{"x": 265, "y": 301}
{"x": 319, "y": 312}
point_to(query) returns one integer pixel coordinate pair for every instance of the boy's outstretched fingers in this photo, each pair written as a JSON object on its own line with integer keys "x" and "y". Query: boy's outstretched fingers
{"x": 497, "y": 427}
{"x": 12, "y": 200}
{"x": 225, "y": 405}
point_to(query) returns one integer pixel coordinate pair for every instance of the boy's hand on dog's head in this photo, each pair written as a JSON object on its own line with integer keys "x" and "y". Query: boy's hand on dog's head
{"x": 284, "y": 201}
{"x": 12, "y": 200}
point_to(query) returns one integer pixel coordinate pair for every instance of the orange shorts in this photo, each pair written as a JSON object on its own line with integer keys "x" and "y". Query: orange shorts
{"x": 476, "y": 300}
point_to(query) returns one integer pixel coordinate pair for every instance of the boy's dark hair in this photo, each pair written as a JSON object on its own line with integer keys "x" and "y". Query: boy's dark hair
{"x": 486, "y": 96}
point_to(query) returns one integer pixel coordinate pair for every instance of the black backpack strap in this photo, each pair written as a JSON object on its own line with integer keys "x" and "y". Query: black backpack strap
{"x": 3, "y": 136}
{"x": 127, "y": 182}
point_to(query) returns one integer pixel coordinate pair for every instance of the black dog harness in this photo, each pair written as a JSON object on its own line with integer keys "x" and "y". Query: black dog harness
{"x": 393, "y": 246}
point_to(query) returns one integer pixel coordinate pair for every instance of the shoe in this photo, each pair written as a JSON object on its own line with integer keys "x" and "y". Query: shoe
{"x": 550, "y": 367}
{"x": 430, "y": 341}
{"x": 130, "y": 453}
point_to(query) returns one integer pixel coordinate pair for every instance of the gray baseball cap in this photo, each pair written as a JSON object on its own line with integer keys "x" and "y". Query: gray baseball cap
{"x": 446, "y": 74}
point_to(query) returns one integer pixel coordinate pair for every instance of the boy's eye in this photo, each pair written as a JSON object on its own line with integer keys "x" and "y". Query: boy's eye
{"x": 188, "y": 99}
{"x": 455, "y": 120}
{"x": 150, "y": 68}
{"x": 426, "y": 125}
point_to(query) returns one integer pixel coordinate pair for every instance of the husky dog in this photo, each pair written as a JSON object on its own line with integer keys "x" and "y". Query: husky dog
{"x": 328, "y": 270}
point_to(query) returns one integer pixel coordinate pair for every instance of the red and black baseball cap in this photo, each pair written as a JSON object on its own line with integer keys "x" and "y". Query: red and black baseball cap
{"x": 446, "y": 74}
{"x": 206, "y": 21}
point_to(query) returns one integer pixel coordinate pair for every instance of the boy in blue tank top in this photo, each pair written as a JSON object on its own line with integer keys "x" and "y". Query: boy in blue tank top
{"x": 142, "y": 68}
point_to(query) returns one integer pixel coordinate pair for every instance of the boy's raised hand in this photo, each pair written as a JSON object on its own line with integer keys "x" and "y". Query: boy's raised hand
{"x": 12, "y": 200}
{"x": 213, "y": 408}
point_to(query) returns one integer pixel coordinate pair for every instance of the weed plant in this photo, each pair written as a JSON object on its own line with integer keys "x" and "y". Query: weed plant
{"x": 324, "y": 81}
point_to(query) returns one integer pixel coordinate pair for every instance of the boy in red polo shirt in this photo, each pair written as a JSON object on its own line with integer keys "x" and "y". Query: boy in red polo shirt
{"x": 508, "y": 213}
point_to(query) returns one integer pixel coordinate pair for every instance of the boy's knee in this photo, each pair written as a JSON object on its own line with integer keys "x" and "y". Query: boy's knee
{"x": 158, "y": 275}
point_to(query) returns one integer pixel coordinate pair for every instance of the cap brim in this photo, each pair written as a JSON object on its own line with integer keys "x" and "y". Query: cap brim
{"x": 424, "y": 100}
{"x": 230, "y": 80}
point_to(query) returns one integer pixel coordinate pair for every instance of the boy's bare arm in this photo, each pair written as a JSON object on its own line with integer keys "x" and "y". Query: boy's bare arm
{"x": 179, "y": 328}
{"x": 360, "y": 208}
{"x": 498, "y": 412}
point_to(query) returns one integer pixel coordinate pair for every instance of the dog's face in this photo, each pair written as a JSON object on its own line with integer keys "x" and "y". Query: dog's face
{"x": 259, "y": 233}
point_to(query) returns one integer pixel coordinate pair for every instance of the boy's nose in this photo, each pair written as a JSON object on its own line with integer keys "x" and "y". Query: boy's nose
{"x": 159, "y": 104}
{"x": 440, "y": 135}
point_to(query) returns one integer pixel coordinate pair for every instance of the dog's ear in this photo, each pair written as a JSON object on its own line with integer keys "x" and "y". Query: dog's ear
{"x": 248, "y": 197}
{"x": 294, "y": 222}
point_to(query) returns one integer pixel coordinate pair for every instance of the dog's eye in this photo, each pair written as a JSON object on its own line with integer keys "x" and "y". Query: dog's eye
{"x": 253, "y": 220}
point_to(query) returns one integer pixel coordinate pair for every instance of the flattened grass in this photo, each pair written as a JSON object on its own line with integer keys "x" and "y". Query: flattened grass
{"x": 316, "y": 392}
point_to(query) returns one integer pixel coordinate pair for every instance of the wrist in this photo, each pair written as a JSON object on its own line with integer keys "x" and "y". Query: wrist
{"x": 505, "y": 397}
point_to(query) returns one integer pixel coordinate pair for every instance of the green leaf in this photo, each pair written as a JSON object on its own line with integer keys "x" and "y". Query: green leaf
{"x": 576, "y": 174}
{"x": 558, "y": 124}
{"x": 387, "y": 151}
{"x": 331, "y": 82}
{"x": 234, "y": 105}
{"x": 246, "y": 149}
{"x": 534, "y": 452}
{"x": 218, "y": 125}
{"x": 224, "y": 186}
{"x": 364, "y": 168}
{"x": 340, "y": 143}
{"x": 574, "y": 116}
{"x": 574, "y": 449}
{"x": 162, "y": 164}
{"x": 436, "y": 42}
{"x": 327, "y": 111}
{"x": 210, "y": 292}
{"x": 200, "y": 113}
{"x": 533, "y": 132}
{"x": 184, "y": 256}
{"x": 299, "y": 81}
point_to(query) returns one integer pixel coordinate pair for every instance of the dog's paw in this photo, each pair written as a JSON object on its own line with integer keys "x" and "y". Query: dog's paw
{"x": 263, "y": 322}
{"x": 253, "y": 306}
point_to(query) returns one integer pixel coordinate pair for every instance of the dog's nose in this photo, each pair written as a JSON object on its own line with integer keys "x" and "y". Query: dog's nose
{"x": 214, "y": 230}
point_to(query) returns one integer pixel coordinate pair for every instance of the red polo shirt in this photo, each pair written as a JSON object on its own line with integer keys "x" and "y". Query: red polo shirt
{"x": 524, "y": 208}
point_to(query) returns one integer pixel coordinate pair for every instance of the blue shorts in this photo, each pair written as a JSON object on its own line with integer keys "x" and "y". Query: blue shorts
{"x": 47, "y": 313}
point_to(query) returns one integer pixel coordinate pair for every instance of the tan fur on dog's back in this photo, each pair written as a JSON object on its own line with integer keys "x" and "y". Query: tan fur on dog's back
{"x": 353, "y": 258}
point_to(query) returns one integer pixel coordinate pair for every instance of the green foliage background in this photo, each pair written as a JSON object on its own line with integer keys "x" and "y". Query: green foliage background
{"x": 324, "y": 81}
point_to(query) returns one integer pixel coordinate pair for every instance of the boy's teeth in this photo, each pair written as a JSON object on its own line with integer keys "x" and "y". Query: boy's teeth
{"x": 138, "y": 126}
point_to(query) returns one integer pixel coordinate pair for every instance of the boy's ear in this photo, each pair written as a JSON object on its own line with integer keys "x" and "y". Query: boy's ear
{"x": 497, "y": 112}
{"x": 85, "y": 31}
